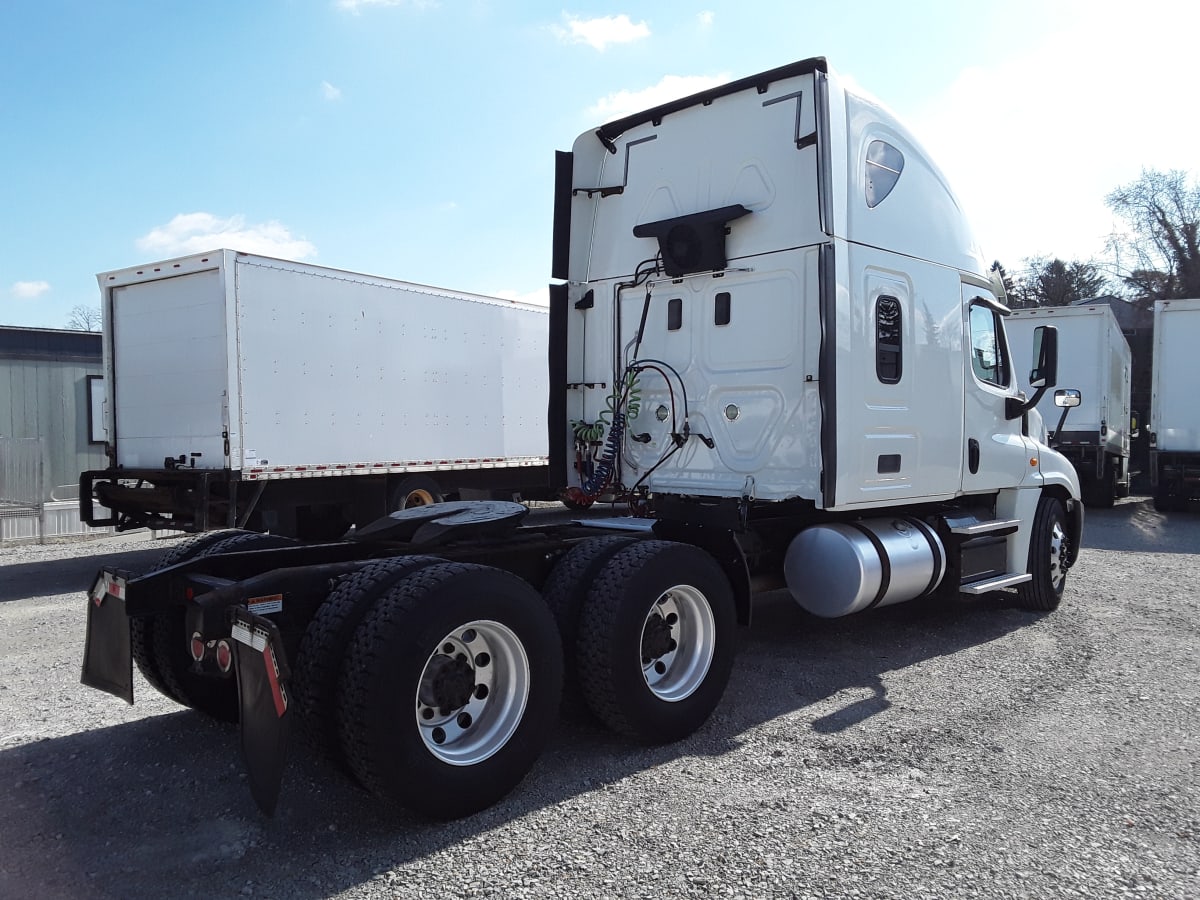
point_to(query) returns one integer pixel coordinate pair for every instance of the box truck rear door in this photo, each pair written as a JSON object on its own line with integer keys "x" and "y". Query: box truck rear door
{"x": 169, "y": 371}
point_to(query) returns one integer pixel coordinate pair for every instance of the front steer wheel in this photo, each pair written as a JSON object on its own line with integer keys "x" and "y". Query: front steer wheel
{"x": 1049, "y": 550}
{"x": 449, "y": 689}
{"x": 655, "y": 640}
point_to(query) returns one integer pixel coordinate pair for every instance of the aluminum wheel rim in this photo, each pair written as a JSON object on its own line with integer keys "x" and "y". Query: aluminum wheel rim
{"x": 1058, "y": 552}
{"x": 419, "y": 497}
{"x": 677, "y": 673}
{"x": 493, "y": 659}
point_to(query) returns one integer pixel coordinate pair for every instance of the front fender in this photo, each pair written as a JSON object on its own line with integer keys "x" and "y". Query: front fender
{"x": 1060, "y": 479}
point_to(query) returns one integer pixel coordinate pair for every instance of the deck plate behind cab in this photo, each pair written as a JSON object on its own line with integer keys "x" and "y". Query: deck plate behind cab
{"x": 438, "y": 523}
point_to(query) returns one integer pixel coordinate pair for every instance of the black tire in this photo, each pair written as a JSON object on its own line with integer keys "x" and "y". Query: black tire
{"x": 216, "y": 697}
{"x": 412, "y": 491}
{"x": 1165, "y": 500}
{"x": 323, "y": 647}
{"x": 1048, "y": 551}
{"x": 142, "y": 633}
{"x": 397, "y": 675}
{"x": 685, "y": 664}
{"x": 565, "y": 592}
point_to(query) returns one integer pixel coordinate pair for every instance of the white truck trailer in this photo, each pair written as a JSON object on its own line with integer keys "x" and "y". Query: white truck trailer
{"x": 1094, "y": 358}
{"x": 244, "y": 391}
{"x": 1174, "y": 405}
{"x": 772, "y": 327}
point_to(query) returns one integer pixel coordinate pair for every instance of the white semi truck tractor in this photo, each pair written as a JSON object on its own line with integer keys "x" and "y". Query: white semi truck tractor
{"x": 772, "y": 330}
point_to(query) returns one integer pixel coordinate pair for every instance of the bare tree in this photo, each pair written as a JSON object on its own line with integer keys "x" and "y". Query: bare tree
{"x": 1162, "y": 247}
{"x": 1055, "y": 282}
{"x": 85, "y": 318}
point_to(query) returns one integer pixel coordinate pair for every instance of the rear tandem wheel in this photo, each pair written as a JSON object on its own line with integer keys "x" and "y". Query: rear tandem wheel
{"x": 449, "y": 689}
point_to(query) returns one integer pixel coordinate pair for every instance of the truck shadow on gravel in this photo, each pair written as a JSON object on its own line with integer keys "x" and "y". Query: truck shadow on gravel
{"x": 159, "y": 806}
{"x": 22, "y": 581}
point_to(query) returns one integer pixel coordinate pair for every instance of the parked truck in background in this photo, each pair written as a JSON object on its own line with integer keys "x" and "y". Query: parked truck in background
{"x": 1094, "y": 358}
{"x": 771, "y": 328}
{"x": 245, "y": 391}
{"x": 1174, "y": 405}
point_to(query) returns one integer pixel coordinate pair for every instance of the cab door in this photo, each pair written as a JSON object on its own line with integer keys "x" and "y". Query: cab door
{"x": 995, "y": 453}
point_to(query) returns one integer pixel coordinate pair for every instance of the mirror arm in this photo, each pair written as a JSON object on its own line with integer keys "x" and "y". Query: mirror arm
{"x": 1052, "y": 439}
{"x": 1015, "y": 407}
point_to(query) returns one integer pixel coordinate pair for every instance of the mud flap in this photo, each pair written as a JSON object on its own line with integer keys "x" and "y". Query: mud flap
{"x": 262, "y": 704}
{"x": 107, "y": 659}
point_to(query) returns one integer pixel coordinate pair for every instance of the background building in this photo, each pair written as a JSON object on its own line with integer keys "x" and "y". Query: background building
{"x": 51, "y": 428}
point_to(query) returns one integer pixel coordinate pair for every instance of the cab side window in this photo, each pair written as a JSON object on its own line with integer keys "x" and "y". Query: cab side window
{"x": 989, "y": 358}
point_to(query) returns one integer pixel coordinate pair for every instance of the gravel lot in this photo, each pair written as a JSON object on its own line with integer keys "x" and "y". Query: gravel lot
{"x": 970, "y": 751}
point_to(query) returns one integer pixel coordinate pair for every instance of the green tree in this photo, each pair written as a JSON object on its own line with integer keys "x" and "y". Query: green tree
{"x": 1002, "y": 282}
{"x": 1055, "y": 282}
{"x": 1159, "y": 257}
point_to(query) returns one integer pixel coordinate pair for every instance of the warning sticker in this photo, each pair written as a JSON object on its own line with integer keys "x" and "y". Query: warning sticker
{"x": 264, "y": 606}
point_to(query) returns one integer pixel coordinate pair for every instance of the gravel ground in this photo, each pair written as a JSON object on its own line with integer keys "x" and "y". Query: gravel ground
{"x": 970, "y": 751}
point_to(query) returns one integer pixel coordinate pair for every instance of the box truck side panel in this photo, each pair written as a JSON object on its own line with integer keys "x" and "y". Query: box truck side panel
{"x": 524, "y": 387}
{"x": 336, "y": 370}
{"x": 1174, "y": 406}
{"x": 169, "y": 371}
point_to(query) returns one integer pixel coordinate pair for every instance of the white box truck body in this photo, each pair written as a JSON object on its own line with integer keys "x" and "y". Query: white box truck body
{"x": 773, "y": 334}
{"x": 1174, "y": 405}
{"x": 1093, "y": 358}
{"x": 244, "y": 389}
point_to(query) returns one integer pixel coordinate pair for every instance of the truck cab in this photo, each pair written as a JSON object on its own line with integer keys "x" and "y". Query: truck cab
{"x": 772, "y": 298}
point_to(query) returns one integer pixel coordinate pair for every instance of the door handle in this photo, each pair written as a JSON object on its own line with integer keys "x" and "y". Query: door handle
{"x": 973, "y": 455}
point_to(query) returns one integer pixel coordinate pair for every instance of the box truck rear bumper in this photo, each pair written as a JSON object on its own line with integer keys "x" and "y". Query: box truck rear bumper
{"x": 181, "y": 499}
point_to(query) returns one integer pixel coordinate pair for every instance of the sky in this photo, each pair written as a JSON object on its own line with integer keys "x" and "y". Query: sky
{"x": 415, "y": 139}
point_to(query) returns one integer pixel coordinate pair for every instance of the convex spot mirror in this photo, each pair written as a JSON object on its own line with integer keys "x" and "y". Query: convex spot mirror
{"x": 1067, "y": 398}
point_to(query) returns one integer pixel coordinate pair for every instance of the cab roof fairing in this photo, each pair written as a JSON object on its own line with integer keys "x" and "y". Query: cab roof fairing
{"x": 922, "y": 217}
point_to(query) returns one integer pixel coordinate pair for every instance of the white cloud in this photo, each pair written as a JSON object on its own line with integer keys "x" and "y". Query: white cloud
{"x": 600, "y": 32}
{"x": 671, "y": 87}
{"x": 200, "y": 231}
{"x": 329, "y": 92}
{"x": 28, "y": 290}
{"x": 357, "y": 6}
{"x": 539, "y": 297}
{"x": 705, "y": 18}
